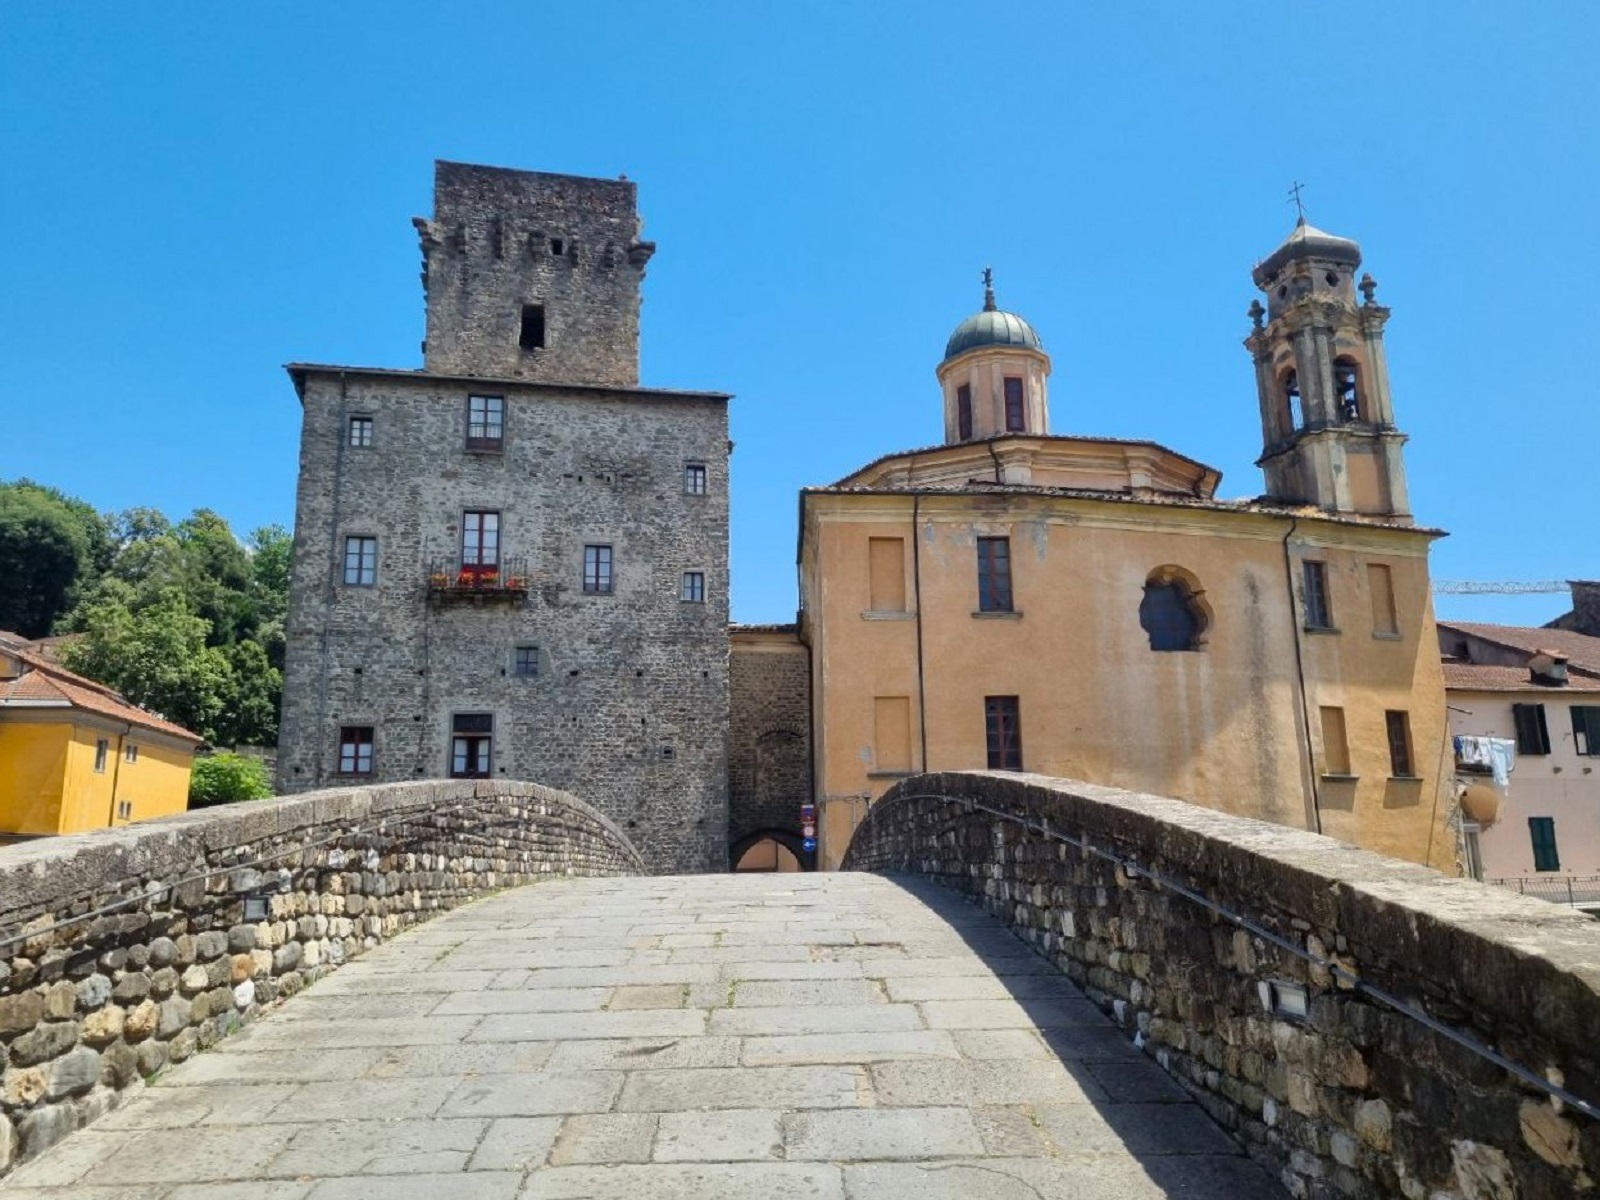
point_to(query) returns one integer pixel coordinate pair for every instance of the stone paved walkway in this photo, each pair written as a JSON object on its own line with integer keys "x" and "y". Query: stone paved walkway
{"x": 767, "y": 1036}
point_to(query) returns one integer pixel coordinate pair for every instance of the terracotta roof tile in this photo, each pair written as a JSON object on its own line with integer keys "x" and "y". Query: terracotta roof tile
{"x": 47, "y": 682}
{"x": 1476, "y": 677}
{"x": 1579, "y": 649}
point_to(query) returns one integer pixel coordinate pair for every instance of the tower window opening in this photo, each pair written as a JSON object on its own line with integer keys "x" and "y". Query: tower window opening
{"x": 1015, "y": 422}
{"x": 557, "y": 246}
{"x": 1346, "y": 382}
{"x": 964, "y": 412}
{"x": 1291, "y": 402}
{"x": 532, "y": 337}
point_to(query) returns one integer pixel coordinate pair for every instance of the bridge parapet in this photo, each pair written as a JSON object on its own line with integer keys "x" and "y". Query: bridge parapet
{"x": 1366, "y": 1026}
{"x": 128, "y": 949}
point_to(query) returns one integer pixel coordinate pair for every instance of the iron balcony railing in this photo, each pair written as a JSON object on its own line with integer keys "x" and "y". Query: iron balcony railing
{"x": 507, "y": 579}
{"x": 1558, "y": 889}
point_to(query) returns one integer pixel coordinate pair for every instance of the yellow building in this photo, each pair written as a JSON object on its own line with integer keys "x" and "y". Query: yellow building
{"x": 74, "y": 755}
{"x": 1088, "y": 608}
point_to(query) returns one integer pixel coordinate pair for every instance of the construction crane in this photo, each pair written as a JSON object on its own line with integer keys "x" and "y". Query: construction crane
{"x": 1457, "y": 587}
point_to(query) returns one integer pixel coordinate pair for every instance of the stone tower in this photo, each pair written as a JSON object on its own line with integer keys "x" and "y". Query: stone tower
{"x": 995, "y": 376}
{"x": 1328, "y": 430}
{"x": 533, "y": 276}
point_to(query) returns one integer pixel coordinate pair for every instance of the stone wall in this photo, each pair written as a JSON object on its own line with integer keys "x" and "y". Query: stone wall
{"x": 628, "y": 705}
{"x": 1355, "y": 1099}
{"x": 156, "y": 958}
{"x": 769, "y": 743}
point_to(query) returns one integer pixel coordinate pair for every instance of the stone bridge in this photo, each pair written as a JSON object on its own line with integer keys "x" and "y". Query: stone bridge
{"x": 1027, "y": 987}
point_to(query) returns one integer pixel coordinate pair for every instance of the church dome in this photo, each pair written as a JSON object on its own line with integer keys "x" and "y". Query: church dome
{"x": 991, "y": 327}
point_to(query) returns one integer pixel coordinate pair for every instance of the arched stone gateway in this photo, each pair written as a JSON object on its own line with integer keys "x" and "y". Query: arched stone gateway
{"x": 128, "y": 949}
{"x": 788, "y": 841}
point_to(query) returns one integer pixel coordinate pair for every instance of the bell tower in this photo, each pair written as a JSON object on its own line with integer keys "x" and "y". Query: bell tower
{"x": 995, "y": 375}
{"x": 1327, "y": 421}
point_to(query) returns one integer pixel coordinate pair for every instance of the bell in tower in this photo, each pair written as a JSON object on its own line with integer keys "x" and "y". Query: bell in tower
{"x": 1327, "y": 422}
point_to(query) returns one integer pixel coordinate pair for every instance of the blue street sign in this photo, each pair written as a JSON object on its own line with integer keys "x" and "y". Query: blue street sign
{"x": 808, "y": 845}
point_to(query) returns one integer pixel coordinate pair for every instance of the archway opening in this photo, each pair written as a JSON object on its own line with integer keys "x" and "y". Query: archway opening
{"x": 770, "y": 850}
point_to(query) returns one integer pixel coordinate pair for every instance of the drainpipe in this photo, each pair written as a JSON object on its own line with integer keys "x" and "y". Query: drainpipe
{"x": 1314, "y": 809}
{"x": 116, "y": 772}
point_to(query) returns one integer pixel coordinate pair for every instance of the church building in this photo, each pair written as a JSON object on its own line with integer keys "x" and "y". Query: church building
{"x": 1022, "y": 600}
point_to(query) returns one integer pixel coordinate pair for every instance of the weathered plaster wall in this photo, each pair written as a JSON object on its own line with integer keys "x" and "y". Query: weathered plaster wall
{"x": 1356, "y": 1099}
{"x": 158, "y": 960}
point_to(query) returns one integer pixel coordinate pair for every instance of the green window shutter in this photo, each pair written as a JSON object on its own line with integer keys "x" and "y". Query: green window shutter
{"x": 1586, "y": 729}
{"x": 1542, "y": 831}
{"x": 1533, "y": 735}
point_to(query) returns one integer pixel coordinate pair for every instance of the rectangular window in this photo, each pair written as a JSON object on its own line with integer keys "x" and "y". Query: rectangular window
{"x": 891, "y": 733}
{"x": 525, "y": 661}
{"x": 1542, "y": 830}
{"x": 1003, "y": 728}
{"x": 532, "y": 335}
{"x": 994, "y": 574}
{"x": 1319, "y": 613}
{"x": 964, "y": 412}
{"x": 361, "y": 431}
{"x": 1335, "y": 746}
{"x": 486, "y": 422}
{"x": 1380, "y": 585}
{"x": 1472, "y": 847}
{"x": 471, "y": 741}
{"x": 361, "y": 560}
{"x": 1586, "y": 730}
{"x": 480, "y": 543}
{"x": 100, "y": 749}
{"x": 1533, "y": 735}
{"x": 1399, "y": 729}
{"x": 597, "y": 569}
{"x": 355, "y": 750}
{"x": 694, "y": 587}
{"x": 694, "y": 479}
{"x": 124, "y": 810}
{"x": 1015, "y": 418}
{"x": 886, "y": 570}
{"x": 130, "y": 753}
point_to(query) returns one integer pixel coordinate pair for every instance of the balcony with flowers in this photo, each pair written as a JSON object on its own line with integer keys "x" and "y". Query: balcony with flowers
{"x": 452, "y": 582}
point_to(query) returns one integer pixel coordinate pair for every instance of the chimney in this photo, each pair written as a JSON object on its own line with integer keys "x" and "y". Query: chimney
{"x": 1547, "y": 668}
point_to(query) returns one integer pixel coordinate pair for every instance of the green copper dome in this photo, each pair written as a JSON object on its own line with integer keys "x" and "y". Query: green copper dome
{"x": 991, "y": 327}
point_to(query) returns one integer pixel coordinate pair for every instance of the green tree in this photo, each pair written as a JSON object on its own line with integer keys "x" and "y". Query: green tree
{"x": 155, "y": 655}
{"x": 43, "y": 553}
{"x": 226, "y": 778}
{"x": 271, "y": 550}
{"x": 250, "y": 704}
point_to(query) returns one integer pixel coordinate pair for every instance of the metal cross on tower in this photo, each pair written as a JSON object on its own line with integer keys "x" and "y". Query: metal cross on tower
{"x": 1294, "y": 194}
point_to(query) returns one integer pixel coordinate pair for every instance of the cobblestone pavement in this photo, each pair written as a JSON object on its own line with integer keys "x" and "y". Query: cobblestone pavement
{"x": 768, "y": 1036}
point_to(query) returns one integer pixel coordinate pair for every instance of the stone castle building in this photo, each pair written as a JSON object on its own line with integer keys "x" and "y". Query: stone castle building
{"x": 1088, "y": 607}
{"x": 513, "y": 563}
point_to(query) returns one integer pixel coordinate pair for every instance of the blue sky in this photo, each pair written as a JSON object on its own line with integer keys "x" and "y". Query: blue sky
{"x": 195, "y": 194}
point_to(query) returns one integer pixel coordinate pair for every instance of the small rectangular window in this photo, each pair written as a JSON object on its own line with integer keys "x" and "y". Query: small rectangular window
{"x": 361, "y": 431}
{"x": 486, "y": 422}
{"x": 125, "y": 810}
{"x": 891, "y": 733}
{"x": 694, "y": 587}
{"x": 1335, "y": 747}
{"x": 994, "y": 574}
{"x": 1399, "y": 729}
{"x": 1016, "y": 418}
{"x": 101, "y": 748}
{"x": 886, "y": 574}
{"x": 964, "y": 412}
{"x": 525, "y": 661}
{"x": 532, "y": 335}
{"x": 1533, "y": 734}
{"x": 1319, "y": 613}
{"x": 355, "y": 750}
{"x": 471, "y": 745}
{"x": 1542, "y": 831}
{"x": 480, "y": 542}
{"x": 597, "y": 569}
{"x": 1586, "y": 730}
{"x": 130, "y": 753}
{"x": 694, "y": 479}
{"x": 1380, "y": 584}
{"x": 1003, "y": 730}
{"x": 360, "y": 560}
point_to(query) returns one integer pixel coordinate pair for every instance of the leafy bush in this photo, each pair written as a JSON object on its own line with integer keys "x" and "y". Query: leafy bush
{"x": 226, "y": 778}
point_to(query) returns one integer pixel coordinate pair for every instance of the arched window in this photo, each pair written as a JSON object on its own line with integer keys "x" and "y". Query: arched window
{"x": 1172, "y": 612}
{"x": 1347, "y": 388}
{"x": 1294, "y": 414}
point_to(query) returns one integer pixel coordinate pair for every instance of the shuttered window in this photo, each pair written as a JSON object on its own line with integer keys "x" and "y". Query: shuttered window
{"x": 1586, "y": 730}
{"x": 1533, "y": 735}
{"x": 1543, "y": 832}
